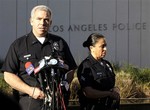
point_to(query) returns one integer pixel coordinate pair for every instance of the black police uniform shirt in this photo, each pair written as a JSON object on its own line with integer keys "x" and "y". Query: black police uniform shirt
{"x": 96, "y": 74}
{"x": 29, "y": 49}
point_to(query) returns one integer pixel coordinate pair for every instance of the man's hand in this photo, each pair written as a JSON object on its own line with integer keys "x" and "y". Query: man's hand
{"x": 36, "y": 93}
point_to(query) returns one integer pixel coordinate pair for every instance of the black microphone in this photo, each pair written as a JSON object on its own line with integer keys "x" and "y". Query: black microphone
{"x": 56, "y": 46}
{"x": 55, "y": 49}
{"x": 61, "y": 62}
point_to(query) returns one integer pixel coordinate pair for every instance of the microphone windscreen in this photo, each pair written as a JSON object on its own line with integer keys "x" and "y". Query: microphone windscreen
{"x": 27, "y": 64}
{"x": 29, "y": 67}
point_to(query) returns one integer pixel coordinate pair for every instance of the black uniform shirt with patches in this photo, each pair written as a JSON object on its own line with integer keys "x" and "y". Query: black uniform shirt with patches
{"x": 96, "y": 74}
{"x": 29, "y": 49}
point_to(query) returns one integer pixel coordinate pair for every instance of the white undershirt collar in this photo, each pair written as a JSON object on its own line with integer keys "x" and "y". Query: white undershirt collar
{"x": 41, "y": 39}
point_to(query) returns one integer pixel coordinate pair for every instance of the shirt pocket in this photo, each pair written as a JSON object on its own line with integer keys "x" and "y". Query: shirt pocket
{"x": 27, "y": 58}
{"x": 100, "y": 75}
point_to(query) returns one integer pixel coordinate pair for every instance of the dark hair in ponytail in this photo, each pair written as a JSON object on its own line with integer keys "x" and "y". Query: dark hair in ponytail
{"x": 92, "y": 39}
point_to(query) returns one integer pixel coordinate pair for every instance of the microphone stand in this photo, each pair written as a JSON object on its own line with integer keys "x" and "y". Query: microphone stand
{"x": 51, "y": 83}
{"x": 51, "y": 86}
{"x": 45, "y": 88}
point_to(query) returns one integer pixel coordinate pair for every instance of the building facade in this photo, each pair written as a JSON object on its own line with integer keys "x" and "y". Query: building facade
{"x": 125, "y": 23}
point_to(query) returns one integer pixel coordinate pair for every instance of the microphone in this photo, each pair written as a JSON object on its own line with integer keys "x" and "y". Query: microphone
{"x": 29, "y": 68}
{"x": 55, "y": 49}
{"x": 49, "y": 61}
{"x": 42, "y": 63}
{"x": 52, "y": 62}
{"x": 61, "y": 64}
{"x": 58, "y": 63}
{"x": 56, "y": 46}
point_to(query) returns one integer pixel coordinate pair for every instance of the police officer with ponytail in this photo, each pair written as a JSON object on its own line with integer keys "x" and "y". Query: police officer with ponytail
{"x": 97, "y": 78}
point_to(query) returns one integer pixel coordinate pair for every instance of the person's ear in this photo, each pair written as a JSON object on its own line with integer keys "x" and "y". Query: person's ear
{"x": 31, "y": 21}
{"x": 91, "y": 47}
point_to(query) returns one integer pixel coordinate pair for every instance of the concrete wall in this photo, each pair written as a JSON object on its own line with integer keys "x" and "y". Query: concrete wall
{"x": 125, "y": 23}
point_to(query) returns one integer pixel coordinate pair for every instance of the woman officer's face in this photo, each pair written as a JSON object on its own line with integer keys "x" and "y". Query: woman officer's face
{"x": 98, "y": 51}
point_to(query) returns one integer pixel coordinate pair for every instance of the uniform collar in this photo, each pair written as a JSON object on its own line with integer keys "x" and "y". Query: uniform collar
{"x": 33, "y": 40}
{"x": 93, "y": 60}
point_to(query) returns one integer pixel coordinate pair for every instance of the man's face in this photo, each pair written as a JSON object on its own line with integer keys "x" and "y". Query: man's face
{"x": 40, "y": 23}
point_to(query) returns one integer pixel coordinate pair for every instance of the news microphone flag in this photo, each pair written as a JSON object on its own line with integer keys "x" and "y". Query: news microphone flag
{"x": 29, "y": 68}
{"x": 36, "y": 70}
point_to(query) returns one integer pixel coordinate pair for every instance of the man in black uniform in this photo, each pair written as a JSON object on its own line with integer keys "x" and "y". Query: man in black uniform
{"x": 97, "y": 78}
{"x": 26, "y": 52}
